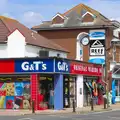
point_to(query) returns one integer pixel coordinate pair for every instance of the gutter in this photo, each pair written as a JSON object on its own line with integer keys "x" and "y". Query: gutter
{"x": 75, "y": 27}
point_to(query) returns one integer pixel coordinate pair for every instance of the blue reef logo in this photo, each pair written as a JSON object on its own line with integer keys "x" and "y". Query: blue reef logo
{"x": 97, "y": 34}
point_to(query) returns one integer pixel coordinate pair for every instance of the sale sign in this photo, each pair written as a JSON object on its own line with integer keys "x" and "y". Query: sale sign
{"x": 85, "y": 69}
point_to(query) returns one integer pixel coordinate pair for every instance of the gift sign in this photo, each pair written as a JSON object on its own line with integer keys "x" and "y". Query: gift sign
{"x": 85, "y": 69}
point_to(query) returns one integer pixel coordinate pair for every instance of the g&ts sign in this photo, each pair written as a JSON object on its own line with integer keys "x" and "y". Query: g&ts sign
{"x": 62, "y": 66}
{"x": 34, "y": 65}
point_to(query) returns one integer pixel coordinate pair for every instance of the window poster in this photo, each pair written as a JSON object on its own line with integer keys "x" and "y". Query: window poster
{"x": 9, "y": 102}
{"x": 18, "y": 88}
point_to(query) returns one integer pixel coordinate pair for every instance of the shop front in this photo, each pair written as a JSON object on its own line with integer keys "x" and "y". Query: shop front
{"x": 88, "y": 83}
{"x": 116, "y": 84}
{"x": 52, "y": 83}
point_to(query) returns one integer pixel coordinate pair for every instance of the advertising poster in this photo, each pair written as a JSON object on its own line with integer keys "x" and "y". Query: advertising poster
{"x": 10, "y": 89}
{"x": 2, "y": 102}
{"x": 26, "y": 95}
{"x": 2, "y": 89}
{"x": 18, "y": 104}
{"x": 9, "y": 102}
{"x": 18, "y": 88}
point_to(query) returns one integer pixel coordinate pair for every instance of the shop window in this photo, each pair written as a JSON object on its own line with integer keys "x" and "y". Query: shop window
{"x": 15, "y": 92}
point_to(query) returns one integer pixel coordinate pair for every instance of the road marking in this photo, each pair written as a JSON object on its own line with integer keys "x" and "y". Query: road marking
{"x": 113, "y": 118}
{"x": 25, "y": 119}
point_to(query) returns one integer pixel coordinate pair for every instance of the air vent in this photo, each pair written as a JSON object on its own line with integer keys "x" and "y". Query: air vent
{"x": 43, "y": 53}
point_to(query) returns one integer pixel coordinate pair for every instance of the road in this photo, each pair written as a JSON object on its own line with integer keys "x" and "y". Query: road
{"x": 111, "y": 115}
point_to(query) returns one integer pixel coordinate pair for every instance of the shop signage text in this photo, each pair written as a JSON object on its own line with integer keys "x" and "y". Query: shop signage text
{"x": 61, "y": 66}
{"x": 34, "y": 66}
{"x": 97, "y": 51}
{"x": 85, "y": 70}
{"x": 97, "y": 34}
{"x": 97, "y": 47}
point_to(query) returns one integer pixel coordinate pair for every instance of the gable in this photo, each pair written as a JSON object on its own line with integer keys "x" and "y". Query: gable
{"x": 57, "y": 20}
{"x": 87, "y": 17}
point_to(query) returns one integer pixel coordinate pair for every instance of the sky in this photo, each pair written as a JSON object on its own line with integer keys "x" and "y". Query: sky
{"x": 33, "y": 12}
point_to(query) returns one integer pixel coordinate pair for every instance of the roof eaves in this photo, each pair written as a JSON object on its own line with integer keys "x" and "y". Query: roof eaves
{"x": 49, "y": 48}
{"x": 79, "y": 27}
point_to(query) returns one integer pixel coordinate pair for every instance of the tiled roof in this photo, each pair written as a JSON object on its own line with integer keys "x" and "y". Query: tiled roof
{"x": 31, "y": 37}
{"x": 79, "y": 10}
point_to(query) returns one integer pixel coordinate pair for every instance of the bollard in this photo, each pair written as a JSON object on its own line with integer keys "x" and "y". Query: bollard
{"x": 33, "y": 106}
{"x": 105, "y": 102}
{"x": 74, "y": 110}
{"x": 92, "y": 104}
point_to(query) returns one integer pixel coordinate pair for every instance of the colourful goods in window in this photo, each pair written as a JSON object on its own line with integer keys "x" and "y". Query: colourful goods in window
{"x": 2, "y": 89}
{"x": 2, "y": 102}
{"x": 18, "y": 88}
{"x": 18, "y": 104}
{"x": 9, "y": 102}
{"x": 10, "y": 89}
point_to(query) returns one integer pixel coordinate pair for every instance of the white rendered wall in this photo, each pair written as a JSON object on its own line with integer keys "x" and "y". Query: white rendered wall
{"x": 16, "y": 45}
{"x": 33, "y": 51}
{"x": 79, "y": 82}
{"x": 3, "y": 51}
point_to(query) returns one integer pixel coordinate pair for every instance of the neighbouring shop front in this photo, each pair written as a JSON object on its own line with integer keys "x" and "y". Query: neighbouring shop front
{"x": 52, "y": 83}
{"x": 88, "y": 83}
{"x": 116, "y": 84}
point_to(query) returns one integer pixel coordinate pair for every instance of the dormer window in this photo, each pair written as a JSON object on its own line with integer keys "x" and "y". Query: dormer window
{"x": 58, "y": 19}
{"x": 88, "y": 17}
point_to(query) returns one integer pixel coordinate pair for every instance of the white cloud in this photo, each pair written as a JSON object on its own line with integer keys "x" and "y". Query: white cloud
{"x": 31, "y": 18}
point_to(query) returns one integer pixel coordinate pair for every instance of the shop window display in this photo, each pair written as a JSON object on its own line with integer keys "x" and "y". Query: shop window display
{"x": 69, "y": 91}
{"x": 15, "y": 95}
{"x": 93, "y": 89}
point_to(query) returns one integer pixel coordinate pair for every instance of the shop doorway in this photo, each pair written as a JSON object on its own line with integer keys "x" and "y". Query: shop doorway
{"x": 69, "y": 91}
{"x": 46, "y": 92}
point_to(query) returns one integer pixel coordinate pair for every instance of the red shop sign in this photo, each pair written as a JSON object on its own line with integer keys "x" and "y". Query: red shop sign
{"x": 6, "y": 66}
{"x": 85, "y": 69}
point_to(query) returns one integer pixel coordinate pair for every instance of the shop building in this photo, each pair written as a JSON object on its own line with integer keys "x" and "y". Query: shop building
{"x": 49, "y": 82}
{"x": 76, "y": 23}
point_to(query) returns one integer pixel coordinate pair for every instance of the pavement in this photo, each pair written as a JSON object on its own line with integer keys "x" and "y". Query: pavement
{"x": 84, "y": 110}
{"x": 105, "y": 115}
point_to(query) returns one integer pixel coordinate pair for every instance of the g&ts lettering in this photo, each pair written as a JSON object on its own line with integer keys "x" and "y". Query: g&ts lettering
{"x": 36, "y": 65}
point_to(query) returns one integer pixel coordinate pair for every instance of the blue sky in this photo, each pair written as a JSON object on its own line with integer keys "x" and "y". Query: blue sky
{"x": 32, "y": 12}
